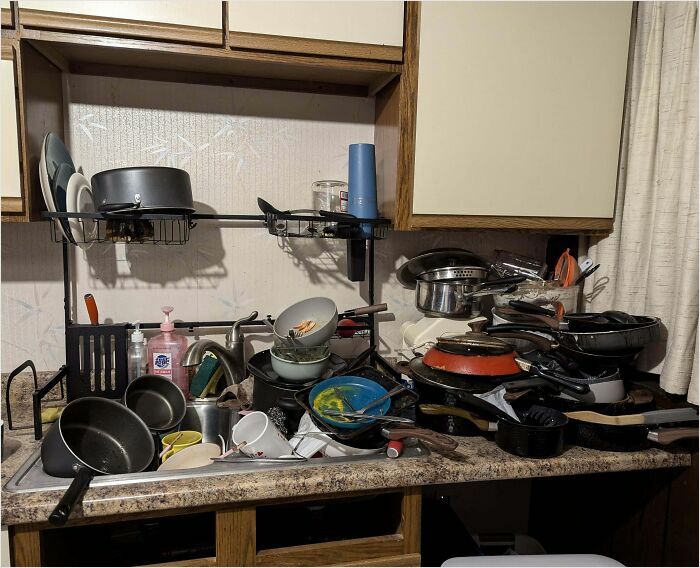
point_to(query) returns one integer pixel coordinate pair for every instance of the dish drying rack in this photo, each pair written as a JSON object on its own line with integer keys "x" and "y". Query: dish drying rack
{"x": 96, "y": 355}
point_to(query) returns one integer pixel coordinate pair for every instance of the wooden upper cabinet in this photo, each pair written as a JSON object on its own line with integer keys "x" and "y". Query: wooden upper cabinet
{"x": 518, "y": 115}
{"x": 372, "y": 30}
{"x": 149, "y": 19}
{"x": 11, "y": 190}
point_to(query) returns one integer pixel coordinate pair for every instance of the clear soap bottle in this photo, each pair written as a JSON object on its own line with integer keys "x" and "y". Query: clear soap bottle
{"x": 137, "y": 354}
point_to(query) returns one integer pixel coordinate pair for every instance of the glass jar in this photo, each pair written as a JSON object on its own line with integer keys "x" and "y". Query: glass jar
{"x": 327, "y": 195}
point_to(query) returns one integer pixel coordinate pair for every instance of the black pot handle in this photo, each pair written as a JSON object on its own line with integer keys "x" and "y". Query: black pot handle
{"x": 523, "y": 327}
{"x": 530, "y": 308}
{"x": 111, "y": 207}
{"x": 502, "y": 282}
{"x": 79, "y": 485}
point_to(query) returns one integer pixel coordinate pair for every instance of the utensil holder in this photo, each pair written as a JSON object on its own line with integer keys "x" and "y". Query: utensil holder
{"x": 97, "y": 360}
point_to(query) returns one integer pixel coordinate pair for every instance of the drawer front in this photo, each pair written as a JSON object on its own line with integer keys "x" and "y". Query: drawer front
{"x": 379, "y": 23}
{"x": 202, "y": 13}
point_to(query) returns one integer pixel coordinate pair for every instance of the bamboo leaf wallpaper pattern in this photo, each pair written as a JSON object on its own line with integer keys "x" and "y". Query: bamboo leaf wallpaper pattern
{"x": 236, "y": 144}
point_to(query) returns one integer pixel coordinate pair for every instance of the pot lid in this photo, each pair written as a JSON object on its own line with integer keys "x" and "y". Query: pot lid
{"x": 436, "y": 258}
{"x": 475, "y": 342}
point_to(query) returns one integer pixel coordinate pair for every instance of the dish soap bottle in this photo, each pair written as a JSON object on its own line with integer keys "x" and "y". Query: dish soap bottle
{"x": 137, "y": 354}
{"x": 165, "y": 352}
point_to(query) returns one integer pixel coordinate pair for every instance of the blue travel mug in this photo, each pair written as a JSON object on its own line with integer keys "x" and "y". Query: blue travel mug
{"x": 362, "y": 184}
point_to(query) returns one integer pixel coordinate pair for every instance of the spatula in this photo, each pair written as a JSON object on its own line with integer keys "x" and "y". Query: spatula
{"x": 651, "y": 417}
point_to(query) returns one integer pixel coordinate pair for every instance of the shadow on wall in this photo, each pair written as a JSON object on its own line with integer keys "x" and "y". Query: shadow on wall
{"x": 197, "y": 264}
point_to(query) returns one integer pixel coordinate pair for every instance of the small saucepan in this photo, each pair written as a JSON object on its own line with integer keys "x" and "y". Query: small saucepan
{"x": 94, "y": 436}
{"x": 456, "y": 294}
{"x": 158, "y": 401}
{"x": 539, "y": 434}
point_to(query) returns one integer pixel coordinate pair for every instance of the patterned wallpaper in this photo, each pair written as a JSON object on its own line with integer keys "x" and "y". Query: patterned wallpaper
{"x": 237, "y": 144}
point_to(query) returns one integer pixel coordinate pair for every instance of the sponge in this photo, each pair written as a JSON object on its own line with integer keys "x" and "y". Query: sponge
{"x": 204, "y": 374}
{"x": 211, "y": 385}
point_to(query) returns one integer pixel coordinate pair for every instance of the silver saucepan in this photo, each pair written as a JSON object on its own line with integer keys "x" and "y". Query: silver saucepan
{"x": 438, "y": 294}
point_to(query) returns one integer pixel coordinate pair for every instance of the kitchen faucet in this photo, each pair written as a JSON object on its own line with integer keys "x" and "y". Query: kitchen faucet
{"x": 231, "y": 357}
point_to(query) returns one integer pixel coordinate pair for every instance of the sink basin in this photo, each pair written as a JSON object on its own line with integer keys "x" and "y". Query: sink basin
{"x": 203, "y": 417}
{"x": 214, "y": 423}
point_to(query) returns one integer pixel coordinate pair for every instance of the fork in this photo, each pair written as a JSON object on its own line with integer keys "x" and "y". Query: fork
{"x": 344, "y": 399}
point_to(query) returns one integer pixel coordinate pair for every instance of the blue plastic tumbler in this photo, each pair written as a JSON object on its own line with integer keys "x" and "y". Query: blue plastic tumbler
{"x": 362, "y": 184}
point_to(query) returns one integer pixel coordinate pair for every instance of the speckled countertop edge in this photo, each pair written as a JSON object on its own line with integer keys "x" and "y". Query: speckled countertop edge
{"x": 476, "y": 459}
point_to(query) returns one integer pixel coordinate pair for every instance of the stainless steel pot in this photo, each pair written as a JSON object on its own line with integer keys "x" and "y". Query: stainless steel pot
{"x": 459, "y": 298}
{"x": 146, "y": 189}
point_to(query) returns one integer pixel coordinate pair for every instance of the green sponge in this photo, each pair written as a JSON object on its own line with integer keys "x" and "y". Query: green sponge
{"x": 203, "y": 375}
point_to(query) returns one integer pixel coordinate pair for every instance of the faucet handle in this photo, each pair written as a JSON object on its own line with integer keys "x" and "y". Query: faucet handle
{"x": 235, "y": 335}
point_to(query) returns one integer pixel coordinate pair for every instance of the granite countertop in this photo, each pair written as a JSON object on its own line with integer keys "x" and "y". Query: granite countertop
{"x": 476, "y": 459}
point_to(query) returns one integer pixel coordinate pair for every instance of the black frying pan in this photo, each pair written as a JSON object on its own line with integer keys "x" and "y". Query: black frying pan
{"x": 604, "y": 342}
{"x": 623, "y": 438}
{"x": 93, "y": 436}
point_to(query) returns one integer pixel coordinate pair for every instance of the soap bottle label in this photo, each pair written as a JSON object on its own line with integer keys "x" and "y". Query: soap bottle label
{"x": 163, "y": 364}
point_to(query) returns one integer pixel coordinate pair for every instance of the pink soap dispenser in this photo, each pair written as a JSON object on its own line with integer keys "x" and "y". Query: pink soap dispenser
{"x": 165, "y": 352}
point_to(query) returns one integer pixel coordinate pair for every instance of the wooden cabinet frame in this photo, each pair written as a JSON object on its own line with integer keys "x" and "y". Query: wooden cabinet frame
{"x": 236, "y": 539}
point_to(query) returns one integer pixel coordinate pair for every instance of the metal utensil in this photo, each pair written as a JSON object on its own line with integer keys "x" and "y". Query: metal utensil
{"x": 359, "y": 416}
{"x": 341, "y": 395}
{"x": 392, "y": 392}
{"x": 294, "y": 459}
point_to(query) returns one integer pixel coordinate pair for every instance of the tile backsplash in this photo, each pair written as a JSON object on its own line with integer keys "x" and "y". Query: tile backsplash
{"x": 236, "y": 144}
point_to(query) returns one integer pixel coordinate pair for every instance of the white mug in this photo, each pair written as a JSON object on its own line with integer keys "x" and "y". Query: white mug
{"x": 262, "y": 438}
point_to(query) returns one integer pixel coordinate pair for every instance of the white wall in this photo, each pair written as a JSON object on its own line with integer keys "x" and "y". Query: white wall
{"x": 237, "y": 144}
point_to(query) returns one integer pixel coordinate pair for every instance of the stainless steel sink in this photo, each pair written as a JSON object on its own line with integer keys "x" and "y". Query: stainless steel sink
{"x": 203, "y": 417}
{"x": 214, "y": 423}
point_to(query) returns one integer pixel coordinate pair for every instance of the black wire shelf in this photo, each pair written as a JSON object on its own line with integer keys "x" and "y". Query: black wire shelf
{"x": 174, "y": 229}
{"x": 322, "y": 227}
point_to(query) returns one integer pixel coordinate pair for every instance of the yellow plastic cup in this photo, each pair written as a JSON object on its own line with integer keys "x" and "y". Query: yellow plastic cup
{"x": 188, "y": 438}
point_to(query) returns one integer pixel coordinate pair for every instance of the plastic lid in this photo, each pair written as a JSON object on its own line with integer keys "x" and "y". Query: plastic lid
{"x": 137, "y": 334}
{"x": 167, "y": 325}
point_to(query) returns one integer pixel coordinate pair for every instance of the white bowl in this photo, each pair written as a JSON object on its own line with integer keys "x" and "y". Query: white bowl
{"x": 299, "y": 371}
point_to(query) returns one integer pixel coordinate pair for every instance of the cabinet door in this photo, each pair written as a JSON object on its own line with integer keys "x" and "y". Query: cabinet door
{"x": 11, "y": 191}
{"x": 519, "y": 108}
{"x": 379, "y": 23}
{"x": 202, "y": 14}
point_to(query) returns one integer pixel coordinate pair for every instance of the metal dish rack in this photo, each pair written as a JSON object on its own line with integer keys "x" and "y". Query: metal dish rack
{"x": 100, "y": 369}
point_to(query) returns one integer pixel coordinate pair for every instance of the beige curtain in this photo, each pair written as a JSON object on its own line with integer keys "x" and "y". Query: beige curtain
{"x": 649, "y": 264}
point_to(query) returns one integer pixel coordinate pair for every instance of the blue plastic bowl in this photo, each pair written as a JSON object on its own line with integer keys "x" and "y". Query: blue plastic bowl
{"x": 359, "y": 391}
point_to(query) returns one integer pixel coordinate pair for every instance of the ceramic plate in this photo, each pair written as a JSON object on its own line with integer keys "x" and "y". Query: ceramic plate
{"x": 333, "y": 394}
{"x": 55, "y": 154}
{"x": 198, "y": 455}
{"x": 79, "y": 200}
{"x": 60, "y": 191}
{"x": 44, "y": 178}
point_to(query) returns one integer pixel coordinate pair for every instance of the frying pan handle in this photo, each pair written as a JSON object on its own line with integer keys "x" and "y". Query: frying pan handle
{"x": 364, "y": 310}
{"x": 440, "y": 441}
{"x": 539, "y": 342}
{"x": 668, "y": 435}
{"x": 502, "y": 282}
{"x": 530, "y": 308}
{"x": 78, "y": 486}
{"x": 492, "y": 329}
